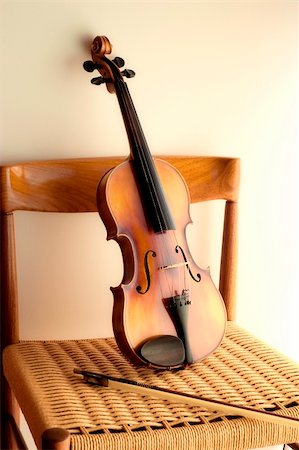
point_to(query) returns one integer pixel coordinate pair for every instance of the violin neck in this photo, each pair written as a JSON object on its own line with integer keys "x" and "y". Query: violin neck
{"x": 153, "y": 199}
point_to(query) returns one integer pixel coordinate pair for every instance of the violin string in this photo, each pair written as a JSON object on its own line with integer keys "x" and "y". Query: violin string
{"x": 147, "y": 173}
{"x": 167, "y": 259}
{"x": 127, "y": 110}
{"x": 138, "y": 139}
{"x": 144, "y": 160}
{"x": 142, "y": 145}
{"x": 139, "y": 145}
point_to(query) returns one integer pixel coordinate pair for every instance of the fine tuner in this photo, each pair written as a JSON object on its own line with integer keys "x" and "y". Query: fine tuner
{"x": 90, "y": 66}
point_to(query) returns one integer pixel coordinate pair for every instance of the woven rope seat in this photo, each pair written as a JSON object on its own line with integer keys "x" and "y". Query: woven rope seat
{"x": 99, "y": 418}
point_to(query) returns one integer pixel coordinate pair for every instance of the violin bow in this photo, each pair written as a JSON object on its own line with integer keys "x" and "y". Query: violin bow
{"x": 194, "y": 400}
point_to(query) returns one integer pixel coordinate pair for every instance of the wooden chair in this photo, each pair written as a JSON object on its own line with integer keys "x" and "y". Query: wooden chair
{"x": 62, "y": 411}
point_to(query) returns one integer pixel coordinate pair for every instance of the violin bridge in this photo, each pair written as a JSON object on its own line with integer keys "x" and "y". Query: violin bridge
{"x": 173, "y": 266}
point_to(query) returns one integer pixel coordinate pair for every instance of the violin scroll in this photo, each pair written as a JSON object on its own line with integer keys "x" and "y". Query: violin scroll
{"x": 100, "y": 47}
{"x": 109, "y": 70}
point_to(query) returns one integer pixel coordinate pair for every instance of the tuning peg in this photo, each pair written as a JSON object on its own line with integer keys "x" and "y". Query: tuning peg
{"x": 90, "y": 66}
{"x": 119, "y": 61}
{"x": 128, "y": 73}
{"x": 98, "y": 80}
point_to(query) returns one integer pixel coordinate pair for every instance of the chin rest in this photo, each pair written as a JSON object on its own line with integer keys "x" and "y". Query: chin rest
{"x": 166, "y": 350}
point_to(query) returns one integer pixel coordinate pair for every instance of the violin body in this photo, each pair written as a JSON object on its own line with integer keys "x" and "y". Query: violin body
{"x": 137, "y": 316}
{"x": 167, "y": 312}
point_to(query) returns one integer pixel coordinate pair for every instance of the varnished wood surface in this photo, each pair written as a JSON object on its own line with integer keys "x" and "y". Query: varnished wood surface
{"x": 9, "y": 324}
{"x": 56, "y": 439}
{"x": 9, "y": 308}
{"x": 137, "y": 317}
{"x": 228, "y": 267}
{"x": 13, "y": 435}
{"x": 70, "y": 185}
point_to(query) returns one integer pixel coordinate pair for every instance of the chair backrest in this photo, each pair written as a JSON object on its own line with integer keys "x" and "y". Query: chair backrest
{"x": 69, "y": 185}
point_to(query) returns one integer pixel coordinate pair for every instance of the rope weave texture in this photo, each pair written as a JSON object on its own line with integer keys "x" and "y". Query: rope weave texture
{"x": 242, "y": 370}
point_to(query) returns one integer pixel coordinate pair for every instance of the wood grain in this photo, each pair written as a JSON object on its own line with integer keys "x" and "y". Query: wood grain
{"x": 228, "y": 267}
{"x": 9, "y": 324}
{"x": 56, "y": 439}
{"x": 70, "y": 185}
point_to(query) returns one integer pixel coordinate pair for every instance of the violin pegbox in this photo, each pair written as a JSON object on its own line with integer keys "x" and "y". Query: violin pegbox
{"x": 109, "y": 69}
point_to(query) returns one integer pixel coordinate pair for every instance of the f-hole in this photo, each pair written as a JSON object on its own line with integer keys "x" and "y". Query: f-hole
{"x": 147, "y": 272}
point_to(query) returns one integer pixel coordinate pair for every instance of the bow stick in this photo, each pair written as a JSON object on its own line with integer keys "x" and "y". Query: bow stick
{"x": 168, "y": 394}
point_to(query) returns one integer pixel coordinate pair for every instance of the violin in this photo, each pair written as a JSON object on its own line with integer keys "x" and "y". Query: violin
{"x": 167, "y": 312}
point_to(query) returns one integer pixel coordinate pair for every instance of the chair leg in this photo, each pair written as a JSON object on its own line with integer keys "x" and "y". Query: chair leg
{"x": 13, "y": 437}
{"x": 56, "y": 439}
{"x": 10, "y": 418}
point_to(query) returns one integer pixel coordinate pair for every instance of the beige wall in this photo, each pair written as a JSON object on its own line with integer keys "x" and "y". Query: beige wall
{"x": 213, "y": 78}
